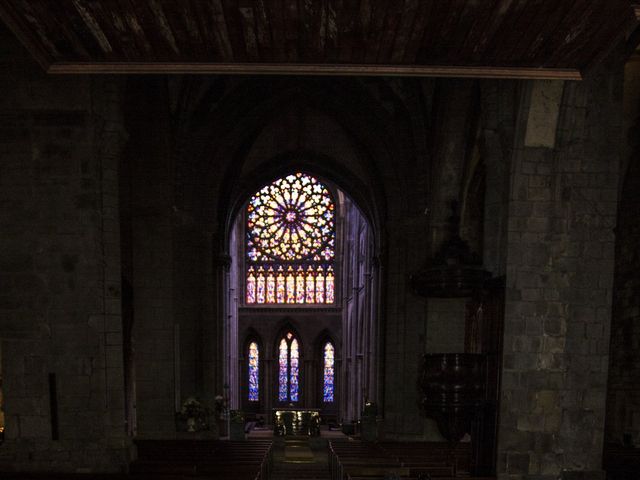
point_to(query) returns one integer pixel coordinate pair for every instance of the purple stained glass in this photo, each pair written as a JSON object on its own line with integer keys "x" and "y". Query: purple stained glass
{"x": 329, "y": 288}
{"x": 254, "y": 372}
{"x": 310, "y": 297}
{"x": 294, "y": 373}
{"x": 291, "y": 288}
{"x": 271, "y": 287}
{"x": 320, "y": 286}
{"x": 283, "y": 219}
{"x": 251, "y": 287}
{"x": 260, "y": 290}
{"x": 290, "y": 228}
{"x": 329, "y": 373}
{"x": 280, "y": 287}
{"x": 300, "y": 286}
{"x": 283, "y": 371}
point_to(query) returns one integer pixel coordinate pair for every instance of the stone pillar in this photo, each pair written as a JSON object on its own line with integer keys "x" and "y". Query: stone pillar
{"x": 61, "y": 330}
{"x": 222, "y": 306}
{"x": 108, "y": 324}
{"x": 562, "y": 212}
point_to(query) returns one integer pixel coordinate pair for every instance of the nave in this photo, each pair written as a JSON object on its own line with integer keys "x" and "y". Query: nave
{"x": 287, "y": 458}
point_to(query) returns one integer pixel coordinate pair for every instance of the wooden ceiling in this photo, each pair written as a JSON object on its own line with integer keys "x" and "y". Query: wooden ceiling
{"x": 479, "y": 38}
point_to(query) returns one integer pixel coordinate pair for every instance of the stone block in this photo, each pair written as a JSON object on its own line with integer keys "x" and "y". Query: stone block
{"x": 583, "y": 475}
{"x": 34, "y": 426}
{"x": 554, "y": 326}
{"x": 518, "y": 463}
{"x": 553, "y": 344}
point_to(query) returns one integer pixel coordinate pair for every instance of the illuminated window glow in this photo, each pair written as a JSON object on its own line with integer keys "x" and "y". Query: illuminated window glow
{"x": 289, "y": 369}
{"x": 254, "y": 372}
{"x": 329, "y": 373}
{"x": 290, "y": 243}
{"x": 283, "y": 371}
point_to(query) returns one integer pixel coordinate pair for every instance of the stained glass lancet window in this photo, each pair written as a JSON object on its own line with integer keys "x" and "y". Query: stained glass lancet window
{"x": 283, "y": 371}
{"x": 294, "y": 371}
{"x": 289, "y": 369}
{"x": 254, "y": 372}
{"x": 329, "y": 371}
{"x": 290, "y": 247}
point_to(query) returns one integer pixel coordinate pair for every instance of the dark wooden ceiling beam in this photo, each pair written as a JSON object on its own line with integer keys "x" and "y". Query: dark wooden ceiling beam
{"x": 29, "y": 38}
{"x": 461, "y": 38}
{"x": 315, "y": 69}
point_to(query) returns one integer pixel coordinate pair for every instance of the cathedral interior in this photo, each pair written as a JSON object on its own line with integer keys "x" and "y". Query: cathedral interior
{"x": 346, "y": 239}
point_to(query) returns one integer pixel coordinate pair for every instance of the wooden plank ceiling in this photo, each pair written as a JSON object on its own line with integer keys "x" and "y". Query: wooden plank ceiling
{"x": 484, "y": 38}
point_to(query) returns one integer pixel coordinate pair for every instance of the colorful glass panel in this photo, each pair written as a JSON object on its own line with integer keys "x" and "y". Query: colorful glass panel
{"x": 254, "y": 372}
{"x": 260, "y": 290}
{"x": 329, "y": 370}
{"x": 291, "y": 287}
{"x": 300, "y": 286}
{"x": 280, "y": 287}
{"x": 283, "y": 371}
{"x": 294, "y": 372}
{"x": 271, "y": 287}
{"x": 320, "y": 286}
{"x": 290, "y": 229}
{"x": 310, "y": 291}
{"x": 329, "y": 287}
{"x": 251, "y": 287}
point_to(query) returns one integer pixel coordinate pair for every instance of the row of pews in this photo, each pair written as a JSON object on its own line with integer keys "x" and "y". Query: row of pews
{"x": 357, "y": 460}
{"x": 211, "y": 459}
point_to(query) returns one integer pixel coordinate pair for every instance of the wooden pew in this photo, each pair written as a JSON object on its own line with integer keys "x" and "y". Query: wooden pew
{"x": 355, "y": 459}
{"x": 208, "y": 459}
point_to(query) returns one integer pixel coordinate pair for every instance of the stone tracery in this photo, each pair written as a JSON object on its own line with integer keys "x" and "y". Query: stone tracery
{"x": 290, "y": 245}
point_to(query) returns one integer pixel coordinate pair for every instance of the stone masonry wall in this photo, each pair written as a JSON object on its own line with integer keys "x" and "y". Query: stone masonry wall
{"x": 623, "y": 399}
{"x": 562, "y": 213}
{"x": 59, "y": 269}
{"x": 623, "y": 402}
{"x": 154, "y": 332}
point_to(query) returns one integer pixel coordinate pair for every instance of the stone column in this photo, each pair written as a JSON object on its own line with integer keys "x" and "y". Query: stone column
{"x": 112, "y": 138}
{"x": 562, "y": 212}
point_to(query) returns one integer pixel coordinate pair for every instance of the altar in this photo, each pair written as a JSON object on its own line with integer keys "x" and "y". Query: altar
{"x": 296, "y": 421}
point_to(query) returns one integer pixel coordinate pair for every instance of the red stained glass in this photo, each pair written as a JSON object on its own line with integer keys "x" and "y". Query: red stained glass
{"x": 320, "y": 286}
{"x": 291, "y": 288}
{"x": 271, "y": 287}
{"x": 329, "y": 287}
{"x": 290, "y": 228}
{"x": 251, "y": 287}
{"x": 310, "y": 296}
{"x": 300, "y": 286}
{"x": 280, "y": 289}
{"x": 260, "y": 290}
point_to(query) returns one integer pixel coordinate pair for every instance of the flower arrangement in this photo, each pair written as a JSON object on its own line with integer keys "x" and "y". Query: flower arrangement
{"x": 195, "y": 414}
{"x": 236, "y": 416}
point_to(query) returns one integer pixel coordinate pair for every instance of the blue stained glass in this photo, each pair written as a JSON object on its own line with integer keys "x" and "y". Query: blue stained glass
{"x": 289, "y": 369}
{"x": 283, "y": 371}
{"x": 329, "y": 373}
{"x": 290, "y": 226}
{"x": 294, "y": 380}
{"x": 254, "y": 372}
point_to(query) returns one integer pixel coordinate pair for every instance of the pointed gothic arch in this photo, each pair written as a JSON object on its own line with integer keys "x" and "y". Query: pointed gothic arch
{"x": 289, "y": 373}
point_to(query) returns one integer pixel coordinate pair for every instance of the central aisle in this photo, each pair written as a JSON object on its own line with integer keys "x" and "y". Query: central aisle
{"x": 297, "y": 459}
